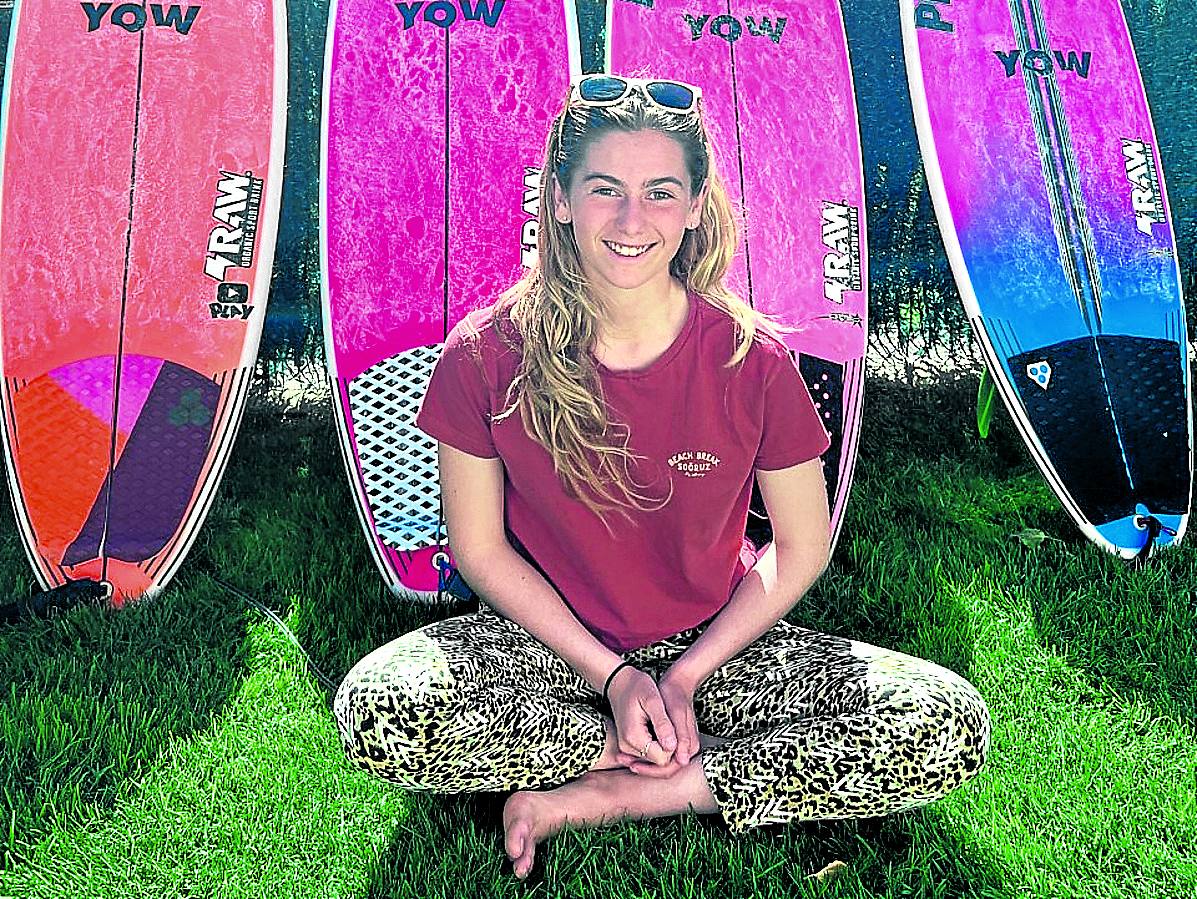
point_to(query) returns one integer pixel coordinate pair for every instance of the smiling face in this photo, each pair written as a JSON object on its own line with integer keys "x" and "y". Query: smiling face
{"x": 629, "y": 204}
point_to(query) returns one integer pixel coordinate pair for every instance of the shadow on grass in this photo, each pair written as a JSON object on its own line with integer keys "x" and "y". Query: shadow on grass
{"x": 97, "y": 694}
{"x": 887, "y": 583}
{"x": 453, "y": 846}
{"x": 1133, "y": 631}
{"x": 289, "y": 536}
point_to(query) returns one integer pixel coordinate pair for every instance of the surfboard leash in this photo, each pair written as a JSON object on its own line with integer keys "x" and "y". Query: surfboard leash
{"x": 1155, "y": 527}
{"x": 325, "y": 681}
{"x": 450, "y": 581}
{"x": 56, "y": 601}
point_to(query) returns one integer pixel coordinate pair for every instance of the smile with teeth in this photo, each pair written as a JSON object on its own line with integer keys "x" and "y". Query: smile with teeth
{"x": 630, "y": 252}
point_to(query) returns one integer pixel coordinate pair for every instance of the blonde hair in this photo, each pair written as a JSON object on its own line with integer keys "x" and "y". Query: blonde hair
{"x": 556, "y": 387}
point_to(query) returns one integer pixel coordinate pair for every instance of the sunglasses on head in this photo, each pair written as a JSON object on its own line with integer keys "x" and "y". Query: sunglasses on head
{"x": 607, "y": 90}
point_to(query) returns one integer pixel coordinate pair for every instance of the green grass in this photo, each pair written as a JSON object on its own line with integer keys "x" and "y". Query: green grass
{"x": 181, "y": 747}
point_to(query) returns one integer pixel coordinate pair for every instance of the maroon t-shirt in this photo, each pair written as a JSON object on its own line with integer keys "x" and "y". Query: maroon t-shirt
{"x": 698, "y": 425}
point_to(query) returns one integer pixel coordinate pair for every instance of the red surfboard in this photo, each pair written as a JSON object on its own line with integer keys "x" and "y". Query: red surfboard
{"x": 141, "y": 161}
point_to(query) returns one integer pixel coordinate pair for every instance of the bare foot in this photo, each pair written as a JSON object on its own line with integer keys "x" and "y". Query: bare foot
{"x": 529, "y": 818}
{"x": 597, "y": 799}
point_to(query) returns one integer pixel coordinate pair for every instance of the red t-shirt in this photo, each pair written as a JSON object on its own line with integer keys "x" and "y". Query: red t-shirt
{"x": 696, "y": 423}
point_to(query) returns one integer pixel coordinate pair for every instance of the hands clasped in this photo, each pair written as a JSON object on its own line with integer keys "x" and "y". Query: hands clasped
{"x": 639, "y": 703}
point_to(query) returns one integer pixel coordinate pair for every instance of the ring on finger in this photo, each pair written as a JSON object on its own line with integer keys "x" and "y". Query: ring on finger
{"x": 644, "y": 751}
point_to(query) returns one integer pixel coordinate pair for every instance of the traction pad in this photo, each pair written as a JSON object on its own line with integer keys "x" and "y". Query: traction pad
{"x": 1072, "y": 418}
{"x": 397, "y": 460}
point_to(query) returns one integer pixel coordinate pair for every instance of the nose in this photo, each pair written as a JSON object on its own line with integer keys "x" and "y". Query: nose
{"x": 631, "y": 216}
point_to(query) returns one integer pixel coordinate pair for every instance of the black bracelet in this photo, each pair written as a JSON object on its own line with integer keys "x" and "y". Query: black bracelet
{"x": 611, "y": 677}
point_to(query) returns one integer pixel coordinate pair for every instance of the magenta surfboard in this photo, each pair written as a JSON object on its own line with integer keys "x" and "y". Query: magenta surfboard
{"x": 779, "y": 102}
{"x": 434, "y": 127}
{"x": 142, "y": 171}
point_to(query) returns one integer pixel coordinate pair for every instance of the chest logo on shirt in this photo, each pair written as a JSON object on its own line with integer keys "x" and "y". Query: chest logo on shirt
{"x": 694, "y": 463}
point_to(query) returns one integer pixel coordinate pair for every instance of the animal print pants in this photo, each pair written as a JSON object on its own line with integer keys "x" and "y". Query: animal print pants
{"x": 817, "y": 727}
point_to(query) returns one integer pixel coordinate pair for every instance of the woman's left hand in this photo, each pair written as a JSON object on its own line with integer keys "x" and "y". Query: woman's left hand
{"x": 678, "y": 697}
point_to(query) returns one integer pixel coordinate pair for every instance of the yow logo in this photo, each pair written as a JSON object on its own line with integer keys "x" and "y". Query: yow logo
{"x": 731, "y": 29}
{"x": 443, "y": 13}
{"x": 1043, "y": 63}
{"x": 133, "y": 16}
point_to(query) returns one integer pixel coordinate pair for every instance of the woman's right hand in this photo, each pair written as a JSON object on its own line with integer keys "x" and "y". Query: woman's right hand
{"x": 636, "y": 705}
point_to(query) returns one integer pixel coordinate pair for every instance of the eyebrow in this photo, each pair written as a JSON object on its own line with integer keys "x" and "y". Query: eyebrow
{"x": 599, "y": 176}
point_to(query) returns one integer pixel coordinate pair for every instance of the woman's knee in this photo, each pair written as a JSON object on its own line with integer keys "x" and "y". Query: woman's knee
{"x": 946, "y": 723}
{"x": 392, "y": 704}
{"x": 936, "y": 724}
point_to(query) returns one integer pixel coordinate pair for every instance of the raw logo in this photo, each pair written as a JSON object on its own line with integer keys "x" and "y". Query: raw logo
{"x": 231, "y": 243}
{"x": 530, "y": 232}
{"x": 1147, "y": 197}
{"x": 133, "y": 17}
{"x": 841, "y": 235}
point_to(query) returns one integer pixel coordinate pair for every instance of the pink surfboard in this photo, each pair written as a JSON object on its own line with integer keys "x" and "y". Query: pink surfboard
{"x": 142, "y": 170}
{"x": 434, "y": 126}
{"x": 779, "y": 102}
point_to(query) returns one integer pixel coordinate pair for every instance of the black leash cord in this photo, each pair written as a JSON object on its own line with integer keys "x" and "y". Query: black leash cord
{"x": 76, "y": 593}
{"x": 324, "y": 679}
{"x": 1155, "y": 527}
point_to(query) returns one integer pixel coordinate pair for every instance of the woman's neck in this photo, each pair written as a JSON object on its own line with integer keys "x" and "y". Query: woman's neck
{"x": 634, "y": 330}
{"x": 637, "y": 318}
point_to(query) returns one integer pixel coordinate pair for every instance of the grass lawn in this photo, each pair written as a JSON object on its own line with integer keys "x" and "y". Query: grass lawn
{"x": 182, "y": 748}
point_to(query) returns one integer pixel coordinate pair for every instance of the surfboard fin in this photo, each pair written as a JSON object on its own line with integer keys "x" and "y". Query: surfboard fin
{"x": 985, "y": 393}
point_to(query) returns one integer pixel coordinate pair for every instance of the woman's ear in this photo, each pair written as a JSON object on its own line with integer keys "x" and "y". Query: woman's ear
{"x": 560, "y": 203}
{"x": 694, "y": 217}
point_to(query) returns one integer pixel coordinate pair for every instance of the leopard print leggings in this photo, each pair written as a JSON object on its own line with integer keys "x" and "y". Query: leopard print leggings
{"x": 817, "y": 727}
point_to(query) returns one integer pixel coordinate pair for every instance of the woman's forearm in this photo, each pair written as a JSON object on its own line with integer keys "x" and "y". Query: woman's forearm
{"x": 519, "y": 592}
{"x": 767, "y": 592}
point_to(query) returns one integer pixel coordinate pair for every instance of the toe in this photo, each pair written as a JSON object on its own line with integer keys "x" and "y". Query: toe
{"x": 523, "y": 865}
{"x": 514, "y": 841}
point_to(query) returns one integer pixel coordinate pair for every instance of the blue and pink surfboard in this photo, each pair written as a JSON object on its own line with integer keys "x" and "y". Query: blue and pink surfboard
{"x": 1043, "y": 166}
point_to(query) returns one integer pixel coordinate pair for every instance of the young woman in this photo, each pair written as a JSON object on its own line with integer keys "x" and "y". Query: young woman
{"x": 600, "y": 427}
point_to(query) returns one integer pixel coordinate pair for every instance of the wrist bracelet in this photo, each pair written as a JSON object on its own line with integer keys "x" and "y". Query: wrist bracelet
{"x": 611, "y": 677}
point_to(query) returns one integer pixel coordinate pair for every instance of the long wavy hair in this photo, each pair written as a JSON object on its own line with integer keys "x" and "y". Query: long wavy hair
{"x": 557, "y": 388}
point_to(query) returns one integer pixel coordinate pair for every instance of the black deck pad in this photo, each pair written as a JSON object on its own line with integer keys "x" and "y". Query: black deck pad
{"x": 821, "y": 377}
{"x": 1147, "y": 392}
{"x": 1071, "y": 414}
{"x": 825, "y": 382}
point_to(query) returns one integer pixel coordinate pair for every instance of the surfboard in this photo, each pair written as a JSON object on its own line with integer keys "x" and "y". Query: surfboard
{"x": 1047, "y": 184}
{"x": 142, "y": 171}
{"x": 435, "y": 115}
{"x": 779, "y": 104}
